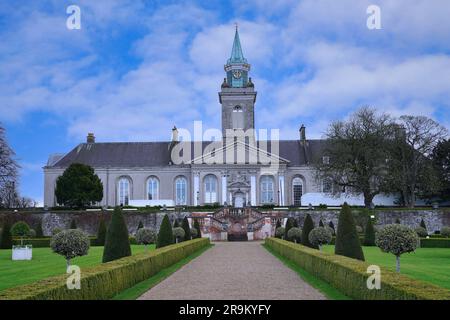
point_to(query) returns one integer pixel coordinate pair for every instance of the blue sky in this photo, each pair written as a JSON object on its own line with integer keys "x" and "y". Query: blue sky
{"x": 136, "y": 68}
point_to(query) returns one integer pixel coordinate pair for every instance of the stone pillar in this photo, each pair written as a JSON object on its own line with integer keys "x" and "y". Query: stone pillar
{"x": 224, "y": 188}
{"x": 253, "y": 190}
{"x": 281, "y": 189}
{"x": 196, "y": 189}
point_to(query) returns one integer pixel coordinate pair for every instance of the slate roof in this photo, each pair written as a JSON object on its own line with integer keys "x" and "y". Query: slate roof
{"x": 154, "y": 154}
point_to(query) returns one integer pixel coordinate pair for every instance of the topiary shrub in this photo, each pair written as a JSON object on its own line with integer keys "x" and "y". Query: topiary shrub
{"x": 295, "y": 234}
{"x": 117, "y": 242}
{"x": 359, "y": 229}
{"x": 445, "y": 232}
{"x": 31, "y": 233}
{"x": 193, "y": 233}
{"x": 423, "y": 225}
{"x": 70, "y": 244}
{"x": 178, "y": 234}
{"x": 101, "y": 233}
{"x": 421, "y": 232}
{"x": 331, "y": 225}
{"x": 140, "y": 225}
{"x": 145, "y": 236}
{"x": 20, "y": 229}
{"x": 39, "y": 231}
{"x": 308, "y": 225}
{"x": 288, "y": 226}
{"x": 397, "y": 239}
{"x": 187, "y": 229}
{"x": 56, "y": 231}
{"x": 347, "y": 239}
{"x": 369, "y": 235}
{"x": 6, "y": 237}
{"x": 397, "y": 221}
{"x": 321, "y": 223}
{"x": 278, "y": 224}
{"x": 197, "y": 226}
{"x": 165, "y": 235}
{"x": 280, "y": 232}
{"x": 320, "y": 236}
{"x": 73, "y": 224}
{"x": 175, "y": 223}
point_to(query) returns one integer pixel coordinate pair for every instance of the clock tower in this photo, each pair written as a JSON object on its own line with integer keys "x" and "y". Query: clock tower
{"x": 237, "y": 95}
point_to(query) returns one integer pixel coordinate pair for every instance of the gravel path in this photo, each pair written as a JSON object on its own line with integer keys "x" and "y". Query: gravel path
{"x": 234, "y": 271}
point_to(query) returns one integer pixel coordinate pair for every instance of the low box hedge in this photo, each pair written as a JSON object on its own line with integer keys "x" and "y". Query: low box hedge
{"x": 45, "y": 242}
{"x": 435, "y": 243}
{"x": 108, "y": 279}
{"x": 350, "y": 276}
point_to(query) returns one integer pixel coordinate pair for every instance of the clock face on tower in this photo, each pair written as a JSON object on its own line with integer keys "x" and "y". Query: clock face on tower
{"x": 237, "y": 74}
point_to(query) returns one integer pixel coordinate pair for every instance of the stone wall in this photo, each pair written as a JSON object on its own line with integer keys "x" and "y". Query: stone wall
{"x": 89, "y": 221}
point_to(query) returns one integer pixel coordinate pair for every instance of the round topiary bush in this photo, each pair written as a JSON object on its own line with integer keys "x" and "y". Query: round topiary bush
{"x": 32, "y": 233}
{"x": 56, "y": 230}
{"x": 70, "y": 244}
{"x": 445, "y": 232}
{"x": 145, "y": 236}
{"x": 421, "y": 232}
{"x": 20, "y": 229}
{"x": 178, "y": 234}
{"x": 397, "y": 239}
{"x": 320, "y": 236}
{"x": 359, "y": 229}
{"x": 279, "y": 232}
{"x": 194, "y": 233}
{"x": 295, "y": 234}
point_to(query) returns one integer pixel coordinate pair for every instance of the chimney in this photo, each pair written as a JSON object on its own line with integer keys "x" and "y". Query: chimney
{"x": 90, "y": 138}
{"x": 174, "y": 134}
{"x": 302, "y": 133}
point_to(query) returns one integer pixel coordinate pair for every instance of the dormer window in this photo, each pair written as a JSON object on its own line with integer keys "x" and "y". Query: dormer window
{"x": 238, "y": 118}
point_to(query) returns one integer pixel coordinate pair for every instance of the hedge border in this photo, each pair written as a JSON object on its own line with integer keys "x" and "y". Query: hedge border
{"x": 350, "y": 276}
{"x": 44, "y": 242}
{"x": 108, "y": 279}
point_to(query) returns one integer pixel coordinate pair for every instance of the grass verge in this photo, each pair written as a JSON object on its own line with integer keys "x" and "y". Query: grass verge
{"x": 139, "y": 289}
{"x": 329, "y": 291}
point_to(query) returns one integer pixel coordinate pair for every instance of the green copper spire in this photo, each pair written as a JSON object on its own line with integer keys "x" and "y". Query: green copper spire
{"x": 236, "y": 52}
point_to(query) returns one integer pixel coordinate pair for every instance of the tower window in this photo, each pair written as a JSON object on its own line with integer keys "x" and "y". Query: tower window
{"x": 238, "y": 118}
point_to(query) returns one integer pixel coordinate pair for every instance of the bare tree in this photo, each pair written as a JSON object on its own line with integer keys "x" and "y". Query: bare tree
{"x": 411, "y": 169}
{"x": 8, "y": 172}
{"x": 356, "y": 154}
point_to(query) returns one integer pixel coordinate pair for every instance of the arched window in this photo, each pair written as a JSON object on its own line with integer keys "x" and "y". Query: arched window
{"x": 210, "y": 183}
{"x": 238, "y": 118}
{"x": 152, "y": 188}
{"x": 297, "y": 191}
{"x": 123, "y": 191}
{"x": 327, "y": 185}
{"x": 266, "y": 186}
{"x": 180, "y": 191}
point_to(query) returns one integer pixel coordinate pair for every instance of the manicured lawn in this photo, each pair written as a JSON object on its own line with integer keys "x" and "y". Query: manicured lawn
{"x": 45, "y": 264}
{"x": 427, "y": 264}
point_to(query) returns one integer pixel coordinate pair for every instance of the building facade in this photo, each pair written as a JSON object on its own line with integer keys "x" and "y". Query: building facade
{"x": 238, "y": 171}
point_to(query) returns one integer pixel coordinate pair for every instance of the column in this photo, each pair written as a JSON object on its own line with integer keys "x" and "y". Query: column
{"x": 253, "y": 190}
{"x": 224, "y": 188}
{"x": 196, "y": 188}
{"x": 281, "y": 189}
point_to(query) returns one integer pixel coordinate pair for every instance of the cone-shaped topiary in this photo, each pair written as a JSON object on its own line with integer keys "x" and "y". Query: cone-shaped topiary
{"x": 39, "y": 231}
{"x": 347, "y": 240}
{"x": 140, "y": 225}
{"x": 288, "y": 226}
{"x": 117, "y": 243}
{"x": 278, "y": 224}
{"x": 6, "y": 239}
{"x": 175, "y": 223}
{"x": 331, "y": 225}
{"x": 369, "y": 235}
{"x": 423, "y": 225}
{"x": 295, "y": 224}
{"x": 101, "y": 233}
{"x": 308, "y": 225}
{"x": 165, "y": 235}
{"x": 397, "y": 221}
{"x": 197, "y": 226}
{"x": 186, "y": 228}
{"x": 321, "y": 223}
{"x": 178, "y": 234}
{"x": 73, "y": 224}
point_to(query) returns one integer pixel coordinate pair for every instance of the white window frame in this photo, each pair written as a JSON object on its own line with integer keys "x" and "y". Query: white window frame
{"x": 153, "y": 188}
{"x": 267, "y": 186}
{"x": 181, "y": 191}
{"x": 297, "y": 181}
{"x": 123, "y": 191}
{"x": 210, "y": 188}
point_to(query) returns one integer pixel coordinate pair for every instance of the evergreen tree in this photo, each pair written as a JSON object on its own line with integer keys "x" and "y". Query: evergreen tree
{"x": 6, "y": 237}
{"x": 397, "y": 221}
{"x": 308, "y": 225}
{"x": 347, "y": 240}
{"x": 117, "y": 243}
{"x": 423, "y": 225}
{"x": 175, "y": 223}
{"x": 73, "y": 224}
{"x": 101, "y": 233}
{"x": 165, "y": 234}
{"x": 186, "y": 228}
{"x": 39, "y": 231}
{"x": 331, "y": 225}
{"x": 289, "y": 225}
{"x": 321, "y": 223}
{"x": 197, "y": 226}
{"x": 295, "y": 224}
{"x": 140, "y": 225}
{"x": 369, "y": 235}
{"x": 278, "y": 224}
